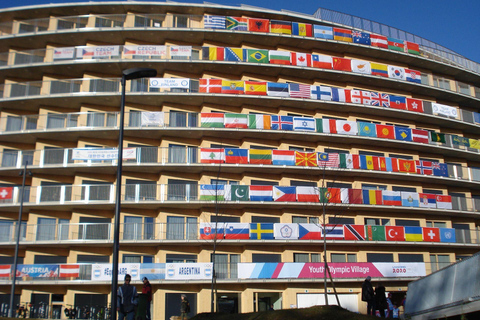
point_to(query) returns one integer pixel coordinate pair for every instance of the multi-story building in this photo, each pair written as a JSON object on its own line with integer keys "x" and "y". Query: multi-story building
{"x": 262, "y": 125}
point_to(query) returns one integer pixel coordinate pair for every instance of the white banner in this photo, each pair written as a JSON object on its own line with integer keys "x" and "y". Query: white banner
{"x": 285, "y": 231}
{"x": 63, "y": 53}
{"x": 152, "y": 118}
{"x": 444, "y": 110}
{"x": 98, "y": 51}
{"x": 181, "y": 51}
{"x": 103, "y": 271}
{"x": 188, "y": 271}
{"x": 102, "y": 154}
{"x": 170, "y": 83}
{"x": 145, "y": 50}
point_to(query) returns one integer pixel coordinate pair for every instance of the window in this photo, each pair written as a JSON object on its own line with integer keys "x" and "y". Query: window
{"x": 463, "y": 88}
{"x": 432, "y": 191}
{"x": 376, "y": 222}
{"x": 407, "y": 223}
{"x": 226, "y": 265}
{"x": 181, "y": 258}
{"x": 64, "y": 86}
{"x": 338, "y": 220}
{"x": 261, "y": 219}
{"x": 477, "y": 92}
{"x": 339, "y": 185}
{"x": 182, "y": 190}
{"x": 441, "y": 83}
{"x": 424, "y": 78}
{"x": 260, "y": 147}
{"x": 145, "y": 154}
{"x": 436, "y": 224}
{"x": 263, "y": 183}
{"x": 367, "y": 186}
{"x": 307, "y": 257}
{"x": 263, "y": 257}
{"x": 225, "y": 219}
{"x": 180, "y": 21}
{"x": 343, "y": 257}
{"x": 41, "y": 259}
{"x": 8, "y": 230}
{"x": 379, "y": 257}
{"x": 134, "y": 258}
{"x": 296, "y": 219}
{"x": 94, "y": 228}
{"x": 14, "y": 123}
{"x": 370, "y": 153}
{"x": 138, "y": 228}
{"x": 103, "y": 85}
{"x": 439, "y": 261}
{"x": 52, "y": 191}
{"x": 140, "y": 190}
{"x": 459, "y": 202}
{"x": 330, "y": 150}
{"x": 295, "y": 183}
{"x": 182, "y": 154}
{"x": 95, "y": 190}
{"x": 183, "y": 119}
{"x": 101, "y": 119}
{"x": 405, "y": 189}
{"x": 300, "y": 149}
{"x": 87, "y": 258}
{"x": 462, "y": 232}
{"x": 134, "y": 118}
{"x": 181, "y": 228}
{"x": 400, "y": 156}
{"x": 410, "y": 257}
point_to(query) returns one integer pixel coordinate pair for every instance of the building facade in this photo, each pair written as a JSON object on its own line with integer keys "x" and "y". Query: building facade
{"x": 263, "y": 134}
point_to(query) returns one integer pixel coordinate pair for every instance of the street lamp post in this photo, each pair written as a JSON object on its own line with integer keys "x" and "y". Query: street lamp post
{"x": 129, "y": 74}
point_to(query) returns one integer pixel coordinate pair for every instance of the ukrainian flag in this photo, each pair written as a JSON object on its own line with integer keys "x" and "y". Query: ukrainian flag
{"x": 260, "y": 231}
{"x": 413, "y": 234}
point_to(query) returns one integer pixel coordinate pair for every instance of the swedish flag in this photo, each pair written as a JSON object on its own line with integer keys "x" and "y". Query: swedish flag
{"x": 261, "y": 231}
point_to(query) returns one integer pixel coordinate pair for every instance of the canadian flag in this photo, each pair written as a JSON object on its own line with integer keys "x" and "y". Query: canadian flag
{"x": 6, "y": 193}
{"x": 301, "y": 59}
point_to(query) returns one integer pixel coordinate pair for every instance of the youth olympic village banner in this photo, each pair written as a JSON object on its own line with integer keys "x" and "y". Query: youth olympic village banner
{"x": 338, "y": 270}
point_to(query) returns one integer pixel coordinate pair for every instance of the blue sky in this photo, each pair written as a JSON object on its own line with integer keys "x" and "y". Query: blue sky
{"x": 453, "y": 24}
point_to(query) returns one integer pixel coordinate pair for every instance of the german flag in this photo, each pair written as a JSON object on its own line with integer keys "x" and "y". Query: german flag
{"x": 278, "y": 26}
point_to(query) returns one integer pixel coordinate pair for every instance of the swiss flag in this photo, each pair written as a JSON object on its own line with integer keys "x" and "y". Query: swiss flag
{"x": 6, "y": 193}
{"x": 431, "y": 234}
{"x": 394, "y": 233}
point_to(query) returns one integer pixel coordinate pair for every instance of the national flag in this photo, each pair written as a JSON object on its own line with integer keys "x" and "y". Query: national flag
{"x": 236, "y": 193}
{"x": 279, "y": 26}
{"x": 236, "y": 231}
{"x": 406, "y": 166}
{"x": 256, "y": 88}
{"x": 259, "y": 121}
{"x": 69, "y": 271}
{"x": 424, "y": 167}
{"x": 427, "y": 200}
{"x": 380, "y": 99}
{"x": 307, "y": 194}
{"x": 394, "y": 233}
{"x": 213, "y": 53}
{"x": 349, "y": 161}
{"x": 431, "y": 234}
{"x": 261, "y": 193}
{"x": 372, "y": 196}
{"x": 283, "y": 157}
{"x": 330, "y": 195}
{"x": 460, "y": 141}
{"x": 301, "y": 59}
{"x": 341, "y": 95}
{"x": 395, "y": 44}
{"x": 211, "y": 120}
{"x": 284, "y": 194}
{"x": 322, "y": 32}
{"x": 309, "y": 231}
{"x": 385, "y": 131}
{"x": 282, "y": 123}
{"x": 476, "y": 117}
{"x": 301, "y": 29}
{"x": 410, "y": 199}
{"x": 214, "y": 22}
{"x": 403, "y": 134}
{"x": 382, "y": 163}
{"x": 398, "y": 102}
{"x": 232, "y": 87}
{"x": 261, "y": 231}
{"x": 235, "y": 54}
{"x": 211, "y": 155}
{"x": 369, "y": 162}
{"x": 303, "y": 124}
{"x": 279, "y": 57}
{"x": 211, "y": 85}
{"x": 375, "y": 233}
{"x": 412, "y": 47}
{"x": 414, "y": 105}
{"x": 440, "y": 169}
{"x": 474, "y": 143}
{"x": 413, "y": 75}
{"x": 236, "y": 23}
{"x": 332, "y": 232}
{"x": 342, "y": 34}
{"x": 360, "y": 66}
{"x": 361, "y": 97}
{"x": 352, "y": 196}
{"x": 285, "y": 231}
{"x": 391, "y": 164}
{"x": 212, "y": 230}
{"x": 342, "y": 64}
{"x": 322, "y": 61}
{"x": 361, "y": 37}
{"x": 347, "y": 127}
{"x": 258, "y": 25}
{"x": 321, "y": 93}
{"x": 6, "y": 193}
{"x": 329, "y": 126}
{"x": 259, "y": 156}
{"x": 443, "y": 201}
{"x": 354, "y": 232}
{"x": 5, "y": 270}
{"x": 257, "y": 56}
{"x": 235, "y": 155}
{"x": 437, "y": 137}
{"x": 277, "y": 89}
{"x": 236, "y": 120}
{"x": 379, "y": 41}
{"x": 329, "y": 160}
{"x": 413, "y": 234}
{"x": 447, "y": 235}
{"x": 299, "y": 90}
{"x": 379, "y": 69}
{"x": 395, "y": 72}
{"x": 366, "y": 129}
{"x": 307, "y": 159}
{"x": 212, "y": 192}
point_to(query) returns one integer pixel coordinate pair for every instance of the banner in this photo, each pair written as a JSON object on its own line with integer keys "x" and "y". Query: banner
{"x": 98, "y": 51}
{"x": 145, "y": 50}
{"x": 152, "y": 119}
{"x": 102, "y": 154}
{"x": 103, "y": 271}
{"x": 180, "y": 51}
{"x": 169, "y": 83}
{"x": 37, "y": 271}
{"x": 153, "y": 271}
{"x": 188, "y": 271}
{"x": 63, "y": 53}
{"x": 444, "y": 110}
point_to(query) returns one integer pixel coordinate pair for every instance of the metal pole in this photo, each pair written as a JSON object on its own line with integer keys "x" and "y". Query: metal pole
{"x": 325, "y": 266}
{"x": 15, "y": 257}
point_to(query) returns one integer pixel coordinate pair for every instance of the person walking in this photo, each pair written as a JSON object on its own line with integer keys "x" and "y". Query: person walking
{"x": 380, "y": 300}
{"x": 147, "y": 291}
{"x": 127, "y": 300}
{"x": 390, "y": 306}
{"x": 184, "y": 308}
{"x": 368, "y": 295}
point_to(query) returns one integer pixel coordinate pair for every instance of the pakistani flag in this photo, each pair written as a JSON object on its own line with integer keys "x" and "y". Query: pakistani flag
{"x": 236, "y": 193}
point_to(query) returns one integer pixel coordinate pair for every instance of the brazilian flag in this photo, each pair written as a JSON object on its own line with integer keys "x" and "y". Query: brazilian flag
{"x": 258, "y": 56}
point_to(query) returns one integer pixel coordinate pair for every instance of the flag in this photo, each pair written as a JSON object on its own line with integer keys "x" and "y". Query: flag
{"x": 367, "y": 129}
{"x": 395, "y": 72}
{"x": 307, "y": 159}
{"x": 424, "y": 167}
{"x": 236, "y": 120}
{"x": 303, "y": 124}
{"x": 394, "y": 233}
{"x": 353, "y": 196}
{"x": 379, "y": 41}
{"x": 5, "y": 270}
{"x": 332, "y": 232}
{"x": 474, "y": 143}
{"x": 440, "y": 169}
{"x": 391, "y": 164}
{"x": 431, "y": 234}
{"x": 259, "y": 121}
{"x": 447, "y": 235}
{"x": 413, "y": 76}
{"x": 372, "y": 196}
{"x": 307, "y": 194}
{"x": 236, "y": 193}
{"x": 322, "y": 32}
{"x": 375, "y": 233}
{"x": 403, "y": 134}
{"x": 398, "y": 102}
{"x": 261, "y": 193}
{"x": 236, "y": 23}
{"x": 395, "y": 44}
{"x": 361, "y": 37}
{"x": 282, "y": 123}
{"x": 236, "y": 230}
{"x": 232, "y": 87}
{"x": 354, "y": 232}
{"x": 261, "y": 231}
{"x": 211, "y": 85}
{"x": 258, "y": 25}
{"x": 301, "y": 29}
{"x": 360, "y": 66}
{"x": 406, "y": 166}
{"x": 69, "y": 270}
{"x": 279, "y": 57}
{"x": 385, "y": 131}
{"x": 211, "y": 120}
{"x": 6, "y": 193}
{"x": 342, "y": 64}
{"x": 286, "y": 231}
{"x": 256, "y": 88}
{"x": 460, "y": 141}
{"x": 349, "y": 161}
{"x": 347, "y": 127}
{"x": 258, "y": 56}
{"x": 284, "y": 194}
{"x": 329, "y": 160}
{"x": 277, "y": 89}
{"x": 342, "y": 34}
{"x": 414, "y": 105}
{"x": 209, "y": 155}
{"x": 476, "y": 117}
{"x": 322, "y": 61}
{"x": 329, "y": 126}
{"x": 212, "y": 192}
{"x": 309, "y": 231}
{"x": 341, "y": 95}
{"x": 235, "y": 54}
{"x": 427, "y": 200}
{"x": 301, "y": 59}
{"x": 412, "y": 47}
{"x": 443, "y": 202}
{"x": 299, "y": 90}
{"x": 213, "y": 53}
{"x": 413, "y": 234}
{"x": 259, "y": 156}
{"x": 380, "y": 99}
{"x": 208, "y": 230}
{"x": 369, "y": 162}
{"x": 214, "y": 22}
{"x": 278, "y": 26}
{"x": 361, "y": 97}
{"x": 283, "y": 157}
{"x": 330, "y": 195}
{"x": 410, "y": 199}
{"x": 379, "y": 69}
{"x": 321, "y": 93}
{"x": 235, "y": 155}
{"x": 437, "y": 137}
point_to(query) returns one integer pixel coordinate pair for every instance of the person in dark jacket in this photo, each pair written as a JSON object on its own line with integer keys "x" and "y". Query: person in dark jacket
{"x": 184, "y": 308}
{"x": 368, "y": 295}
{"x": 126, "y": 300}
{"x": 147, "y": 291}
{"x": 381, "y": 300}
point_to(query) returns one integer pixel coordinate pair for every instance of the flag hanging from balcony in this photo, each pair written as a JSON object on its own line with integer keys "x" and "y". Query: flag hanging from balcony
{"x": 372, "y": 197}
{"x": 236, "y": 120}
{"x": 282, "y": 123}
{"x": 395, "y": 44}
{"x": 259, "y": 121}
{"x": 379, "y": 69}
{"x": 406, "y": 166}
{"x": 261, "y": 193}
{"x": 354, "y": 232}
{"x": 308, "y": 194}
{"x": 395, "y": 72}
{"x": 212, "y": 192}
{"x": 330, "y": 195}
{"x": 277, "y": 89}
{"x": 283, "y": 157}
{"x": 323, "y": 32}
{"x": 413, "y": 234}
{"x": 367, "y": 129}
{"x": 321, "y": 93}
{"x": 69, "y": 271}
{"x": 214, "y": 22}
{"x": 286, "y": 231}
{"x": 213, "y": 53}
{"x": 361, "y": 37}
{"x": 209, "y": 155}
{"x": 329, "y": 160}
{"x": 447, "y": 235}
{"x": 307, "y": 159}
{"x": 284, "y": 194}
{"x": 6, "y": 193}
{"x": 322, "y": 61}
{"x": 412, "y": 47}
{"x": 309, "y": 231}
{"x": 234, "y": 155}
{"x": 375, "y": 233}
{"x": 413, "y": 76}
{"x": 379, "y": 41}
{"x": 403, "y": 134}
{"x": 232, "y": 87}
{"x": 303, "y": 124}
{"x": 236, "y": 193}
{"x": 236, "y": 23}
{"x": 342, "y": 64}
{"x": 256, "y": 88}
{"x": 431, "y": 234}
{"x": 235, "y": 54}
{"x": 261, "y": 231}
{"x": 258, "y": 156}
{"x": 258, "y": 56}
{"x": 443, "y": 201}
{"x": 301, "y": 29}
{"x": 279, "y": 26}
{"x": 258, "y": 25}
{"x": 360, "y": 66}
{"x": 332, "y": 232}
{"x": 342, "y": 34}
{"x": 279, "y": 57}
{"x": 211, "y": 85}
{"x": 211, "y": 120}
{"x": 414, "y": 105}
{"x": 301, "y": 59}
{"x": 410, "y": 199}
{"x": 394, "y": 233}
{"x": 427, "y": 200}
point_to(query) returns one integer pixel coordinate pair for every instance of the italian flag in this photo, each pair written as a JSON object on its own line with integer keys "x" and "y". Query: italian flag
{"x": 211, "y": 120}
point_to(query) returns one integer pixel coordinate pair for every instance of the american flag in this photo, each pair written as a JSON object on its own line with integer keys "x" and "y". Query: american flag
{"x": 299, "y": 90}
